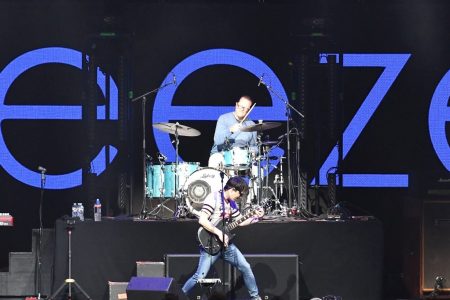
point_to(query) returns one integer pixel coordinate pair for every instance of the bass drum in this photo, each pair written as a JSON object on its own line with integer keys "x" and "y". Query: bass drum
{"x": 200, "y": 184}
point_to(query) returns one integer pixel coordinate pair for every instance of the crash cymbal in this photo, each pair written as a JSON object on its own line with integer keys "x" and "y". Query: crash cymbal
{"x": 261, "y": 126}
{"x": 172, "y": 128}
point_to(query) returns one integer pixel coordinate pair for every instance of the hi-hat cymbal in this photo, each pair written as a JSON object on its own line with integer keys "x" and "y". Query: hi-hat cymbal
{"x": 270, "y": 143}
{"x": 260, "y": 126}
{"x": 173, "y": 128}
{"x": 263, "y": 157}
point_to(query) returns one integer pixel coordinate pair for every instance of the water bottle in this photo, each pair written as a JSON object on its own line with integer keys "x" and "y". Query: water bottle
{"x": 97, "y": 211}
{"x": 81, "y": 211}
{"x": 74, "y": 210}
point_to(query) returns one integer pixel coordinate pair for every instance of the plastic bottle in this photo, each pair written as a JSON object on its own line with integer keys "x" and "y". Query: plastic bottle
{"x": 74, "y": 210}
{"x": 81, "y": 211}
{"x": 97, "y": 211}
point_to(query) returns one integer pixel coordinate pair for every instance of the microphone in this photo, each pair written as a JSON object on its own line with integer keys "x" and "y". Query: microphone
{"x": 261, "y": 80}
{"x": 43, "y": 170}
{"x": 174, "y": 79}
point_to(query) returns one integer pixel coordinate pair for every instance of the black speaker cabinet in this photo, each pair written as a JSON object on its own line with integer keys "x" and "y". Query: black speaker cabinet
{"x": 155, "y": 288}
{"x": 182, "y": 266}
{"x": 435, "y": 244}
{"x": 276, "y": 275}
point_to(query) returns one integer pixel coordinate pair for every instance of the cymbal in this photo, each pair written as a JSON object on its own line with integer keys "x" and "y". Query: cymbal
{"x": 171, "y": 128}
{"x": 263, "y": 157}
{"x": 260, "y": 126}
{"x": 270, "y": 143}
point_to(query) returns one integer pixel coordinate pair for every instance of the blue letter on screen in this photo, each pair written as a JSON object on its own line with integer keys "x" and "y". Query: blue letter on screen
{"x": 49, "y": 112}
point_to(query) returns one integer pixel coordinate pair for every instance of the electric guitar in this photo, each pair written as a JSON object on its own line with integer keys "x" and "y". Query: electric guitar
{"x": 211, "y": 242}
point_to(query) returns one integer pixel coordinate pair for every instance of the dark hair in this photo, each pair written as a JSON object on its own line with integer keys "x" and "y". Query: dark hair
{"x": 237, "y": 183}
{"x": 246, "y": 97}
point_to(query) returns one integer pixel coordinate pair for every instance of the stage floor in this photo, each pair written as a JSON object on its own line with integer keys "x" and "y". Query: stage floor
{"x": 341, "y": 258}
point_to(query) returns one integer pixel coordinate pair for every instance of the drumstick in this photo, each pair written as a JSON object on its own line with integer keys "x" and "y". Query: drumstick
{"x": 246, "y": 115}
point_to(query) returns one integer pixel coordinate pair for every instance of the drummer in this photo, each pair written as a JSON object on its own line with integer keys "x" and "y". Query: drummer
{"x": 228, "y": 135}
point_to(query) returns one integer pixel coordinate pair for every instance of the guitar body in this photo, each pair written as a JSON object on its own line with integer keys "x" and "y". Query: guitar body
{"x": 211, "y": 242}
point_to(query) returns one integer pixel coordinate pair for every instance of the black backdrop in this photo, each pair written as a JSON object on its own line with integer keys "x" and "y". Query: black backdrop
{"x": 160, "y": 34}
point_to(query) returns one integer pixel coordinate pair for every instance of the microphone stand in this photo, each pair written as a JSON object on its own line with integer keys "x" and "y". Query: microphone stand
{"x": 289, "y": 107}
{"x": 143, "y": 97}
{"x": 222, "y": 175}
{"x": 39, "y": 242}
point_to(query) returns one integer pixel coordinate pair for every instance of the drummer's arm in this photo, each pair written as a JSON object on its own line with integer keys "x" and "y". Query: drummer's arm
{"x": 253, "y": 144}
{"x": 221, "y": 132}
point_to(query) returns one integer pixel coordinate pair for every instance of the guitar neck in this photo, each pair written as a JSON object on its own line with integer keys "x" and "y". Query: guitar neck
{"x": 236, "y": 223}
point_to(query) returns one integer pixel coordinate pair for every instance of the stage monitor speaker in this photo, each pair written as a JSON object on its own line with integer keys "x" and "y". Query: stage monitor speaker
{"x": 276, "y": 276}
{"x": 150, "y": 269}
{"x": 116, "y": 289}
{"x": 435, "y": 245}
{"x": 155, "y": 288}
{"x": 182, "y": 266}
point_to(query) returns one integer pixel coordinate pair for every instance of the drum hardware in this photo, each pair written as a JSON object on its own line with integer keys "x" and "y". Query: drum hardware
{"x": 279, "y": 180}
{"x": 177, "y": 130}
{"x": 259, "y": 127}
{"x": 143, "y": 97}
{"x": 271, "y": 197}
{"x": 289, "y": 109}
{"x": 155, "y": 186}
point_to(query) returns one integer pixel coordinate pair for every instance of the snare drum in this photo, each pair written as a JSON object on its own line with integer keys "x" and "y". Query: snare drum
{"x": 237, "y": 158}
{"x": 184, "y": 170}
{"x": 201, "y": 183}
{"x": 155, "y": 181}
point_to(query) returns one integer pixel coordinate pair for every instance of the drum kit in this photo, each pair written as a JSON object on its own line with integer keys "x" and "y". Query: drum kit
{"x": 189, "y": 184}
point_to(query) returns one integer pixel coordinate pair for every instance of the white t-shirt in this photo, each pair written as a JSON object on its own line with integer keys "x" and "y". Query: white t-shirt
{"x": 212, "y": 206}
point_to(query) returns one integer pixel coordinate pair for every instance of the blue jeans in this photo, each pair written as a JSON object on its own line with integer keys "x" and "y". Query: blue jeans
{"x": 234, "y": 257}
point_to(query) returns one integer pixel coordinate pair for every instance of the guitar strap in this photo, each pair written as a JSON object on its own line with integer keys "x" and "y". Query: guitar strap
{"x": 232, "y": 206}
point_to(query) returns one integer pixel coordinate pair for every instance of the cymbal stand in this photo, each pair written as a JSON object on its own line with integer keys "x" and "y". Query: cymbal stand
{"x": 289, "y": 107}
{"x": 280, "y": 186}
{"x": 156, "y": 210}
{"x": 279, "y": 180}
{"x": 177, "y": 195}
{"x": 143, "y": 97}
{"x": 266, "y": 152}
{"x": 259, "y": 175}
{"x": 267, "y": 188}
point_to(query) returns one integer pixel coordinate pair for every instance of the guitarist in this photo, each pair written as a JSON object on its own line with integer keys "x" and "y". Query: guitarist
{"x": 215, "y": 209}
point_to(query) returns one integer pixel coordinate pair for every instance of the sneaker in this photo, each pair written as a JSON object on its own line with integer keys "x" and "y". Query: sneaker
{"x": 256, "y": 298}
